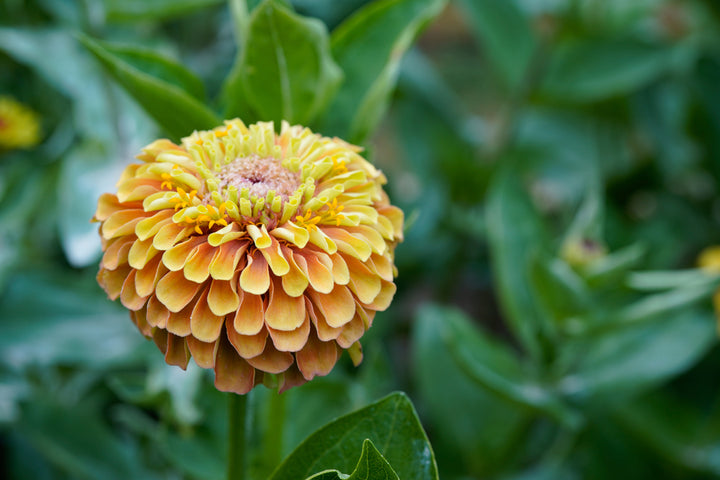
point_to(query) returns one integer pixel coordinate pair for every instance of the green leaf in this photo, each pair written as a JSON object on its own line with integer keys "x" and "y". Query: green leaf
{"x": 515, "y": 233}
{"x": 176, "y": 111}
{"x": 493, "y": 366}
{"x": 134, "y": 10}
{"x": 488, "y": 424}
{"x": 627, "y": 362}
{"x": 591, "y": 70}
{"x": 661, "y": 280}
{"x": 157, "y": 65}
{"x": 505, "y": 35}
{"x": 371, "y": 466}
{"x": 286, "y": 71}
{"x": 369, "y": 47}
{"x": 391, "y": 424}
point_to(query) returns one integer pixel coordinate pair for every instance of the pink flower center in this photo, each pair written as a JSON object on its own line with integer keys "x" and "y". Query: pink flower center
{"x": 259, "y": 175}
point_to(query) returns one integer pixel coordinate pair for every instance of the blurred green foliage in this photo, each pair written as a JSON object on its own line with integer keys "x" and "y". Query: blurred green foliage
{"x": 559, "y": 166}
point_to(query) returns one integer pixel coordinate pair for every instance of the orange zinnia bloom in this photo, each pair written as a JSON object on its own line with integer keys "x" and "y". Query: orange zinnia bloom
{"x": 253, "y": 252}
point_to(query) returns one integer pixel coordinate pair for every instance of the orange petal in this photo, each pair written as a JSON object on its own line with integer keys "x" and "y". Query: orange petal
{"x": 222, "y": 298}
{"x": 351, "y": 332}
{"x": 382, "y": 301}
{"x": 232, "y": 373}
{"x": 147, "y": 278}
{"x": 160, "y": 337}
{"x": 271, "y": 360}
{"x": 112, "y": 280}
{"x": 176, "y": 257}
{"x": 318, "y": 274}
{"x": 317, "y": 358}
{"x": 255, "y": 278}
{"x": 247, "y": 346}
{"x": 139, "y": 318}
{"x": 136, "y": 189}
{"x": 363, "y": 283}
{"x": 141, "y": 253}
{"x": 157, "y": 314}
{"x": 382, "y": 265}
{"x": 179, "y": 322}
{"x": 117, "y": 252}
{"x": 227, "y": 258}
{"x": 197, "y": 267}
{"x": 174, "y": 291}
{"x": 284, "y": 312}
{"x": 204, "y": 324}
{"x": 107, "y": 205}
{"x": 290, "y": 378}
{"x": 128, "y": 296}
{"x": 395, "y": 215}
{"x": 324, "y": 331}
{"x": 250, "y": 316}
{"x": 177, "y": 351}
{"x": 338, "y": 306}
{"x": 295, "y": 282}
{"x": 340, "y": 271}
{"x": 370, "y": 236}
{"x": 291, "y": 341}
{"x": 203, "y": 353}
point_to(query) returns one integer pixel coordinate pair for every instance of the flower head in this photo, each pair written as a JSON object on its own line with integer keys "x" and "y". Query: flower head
{"x": 19, "y": 126}
{"x": 254, "y": 252}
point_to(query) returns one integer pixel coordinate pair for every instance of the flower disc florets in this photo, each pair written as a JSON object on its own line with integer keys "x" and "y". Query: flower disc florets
{"x": 253, "y": 252}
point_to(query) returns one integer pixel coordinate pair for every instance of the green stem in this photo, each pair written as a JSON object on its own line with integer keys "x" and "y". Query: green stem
{"x": 237, "y": 418}
{"x": 274, "y": 437}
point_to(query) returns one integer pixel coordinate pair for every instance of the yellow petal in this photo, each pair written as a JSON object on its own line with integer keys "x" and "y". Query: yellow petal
{"x": 382, "y": 265}
{"x": 259, "y": 235}
{"x": 349, "y": 244}
{"x": 222, "y": 298}
{"x": 176, "y": 257}
{"x": 370, "y": 236}
{"x": 255, "y": 278}
{"x": 140, "y": 253}
{"x": 340, "y": 271}
{"x": 382, "y": 301}
{"x": 122, "y": 223}
{"x": 351, "y": 332}
{"x": 338, "y": 306}
{"x": 169, "y": 235}
{"x": 363, "y": 283}
{"x": 117, "y": 252}
{"x": 318, "y": 274}
{"x": 157, "y": 314}
{"x": 250, "y": 316}
{"x": 273, "y": 254}
{"x": 204, "y": 324}
{"x": 225, "y": 234}
{"x": 128, "y": 295}
{"x": 148, "y": 227}
{"x": 295, "y": 281}
{"x": 284, "y": 312}
{"x": 147, "y": 278}
{"x": 174, "y": 291}
{"x": 324, "y": 331}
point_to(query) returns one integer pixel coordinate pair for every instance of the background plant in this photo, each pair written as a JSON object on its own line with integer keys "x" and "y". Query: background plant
{"x": 557, "y": 162}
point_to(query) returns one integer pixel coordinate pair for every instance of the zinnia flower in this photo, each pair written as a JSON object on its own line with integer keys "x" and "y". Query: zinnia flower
{"x": 19, "y": 126}
{"x": 253, "y": 252}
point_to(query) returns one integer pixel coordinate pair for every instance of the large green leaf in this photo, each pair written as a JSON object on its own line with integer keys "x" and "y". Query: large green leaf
{"x": 504, "y": 33}
{"x": 369, "y": 47}
{"x": 591, "y": 70}
{"x": 371, "y": 466}
{"x": 489, "y": 423}
{"x": 286, "y": 71}
{"x": 515, "y": 234}
{"x": 134, "y": 10}
{"x": 628, "y": 362}
{"x": 391, "y": 424}
{"x": 175, "y": 110}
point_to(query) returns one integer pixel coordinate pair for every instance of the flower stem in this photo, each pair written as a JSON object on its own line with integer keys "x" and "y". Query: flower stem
{"x": 237, "y": 418}
{"x": 275, "y": 433}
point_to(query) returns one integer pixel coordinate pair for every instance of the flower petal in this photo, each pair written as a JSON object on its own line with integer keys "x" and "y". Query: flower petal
{"x": 128, "y": 295}
{"x": 141, "y": 253}
{"x": 250, "y": 316}
{"x": 255, "y": 278}
{"x": 157, "y": 314}
{"x": 222, "y": 298}
{"x": 318, "y": 274}
{"x": 122, "y": 223}
{"x": 324, "y": 331}
{"x": 227, "y": 258}
{"x": 179, "y": 322}
{"x": 112, "y": 280}
{"x": 147, "y": 278}
{"x": 382, "y": 301}
{"x": 349, "y": 244}
{"x": 340, "y": 271}
{"x": 232, "y": 373}
{"x": 117, "y": 252}
{"x": 317, "y": 358}
{"x": 148, "y": 227}
{"x": 274, "y": 256}
{"x": 295, "y": 282}
{"x": 204, "y": 324}
{"x": 169, "y": 235}
{"x": 176, "y": 257}
{"x": 363, "y": 283}
{"x": 174, "y": 291}
{"x": 177, "y": 351}
{"x": 247, "y": 346}
{"x": 197, "y": 266}
{"x": 139, "y": 318}
{"x": 284, "y": 312}
{"x": 271, "y": 360}
{"x": 351, "y": 332}
{"x": 293, "y": 340}
{"x": 203, "y": 353}
{"x": 338, "y": 306}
